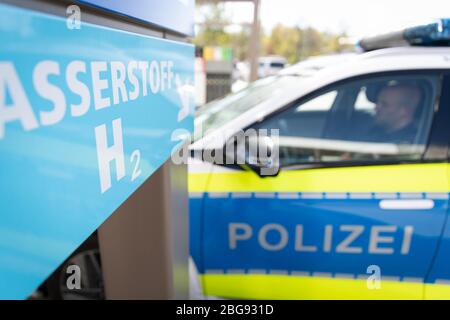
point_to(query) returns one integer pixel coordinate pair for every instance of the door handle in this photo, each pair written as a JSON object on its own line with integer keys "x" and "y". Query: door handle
{"x": 407, "y": 204}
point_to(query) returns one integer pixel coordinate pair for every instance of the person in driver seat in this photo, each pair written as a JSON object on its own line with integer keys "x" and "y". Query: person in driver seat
{"x": 395, "y": 114}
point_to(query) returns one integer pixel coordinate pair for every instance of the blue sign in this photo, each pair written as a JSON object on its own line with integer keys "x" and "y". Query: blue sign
{"x": 86, "y": 116}
{"x": 177, "y": 15}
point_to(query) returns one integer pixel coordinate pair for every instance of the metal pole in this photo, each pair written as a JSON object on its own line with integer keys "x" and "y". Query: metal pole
{"x": 254, "y": 42}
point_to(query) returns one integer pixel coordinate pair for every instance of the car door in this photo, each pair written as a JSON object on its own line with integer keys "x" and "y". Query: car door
{"x": 437, "y": 283}
{"x": 357, "y": 208}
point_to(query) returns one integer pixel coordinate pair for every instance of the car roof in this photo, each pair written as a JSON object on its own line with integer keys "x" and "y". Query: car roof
{"x": 406, "y": 50}
{"x": 316, "y": 63}
{"x": 383, "y": 60}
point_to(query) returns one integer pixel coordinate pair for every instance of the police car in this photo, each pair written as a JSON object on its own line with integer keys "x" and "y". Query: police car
{"x": 357, "y": 204}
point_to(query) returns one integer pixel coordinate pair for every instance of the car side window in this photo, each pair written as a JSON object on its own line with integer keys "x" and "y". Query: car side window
{"x": 382, "y": 118}
{"x": 305, "y": 120}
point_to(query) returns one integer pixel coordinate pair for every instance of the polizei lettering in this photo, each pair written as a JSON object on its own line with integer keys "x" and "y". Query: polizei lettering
{"x": 344, "y": 239}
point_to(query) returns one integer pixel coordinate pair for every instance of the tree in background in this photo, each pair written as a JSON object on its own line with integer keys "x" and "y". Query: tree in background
{"x": 296, "y": 44}
{"x": 240, "y": 42}
{"x": 283, "y": 41}
{"x": 293, "y": 43}
{"x": 211, "y": 32}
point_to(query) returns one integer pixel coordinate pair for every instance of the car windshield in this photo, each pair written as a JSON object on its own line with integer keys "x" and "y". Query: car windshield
{"x": 216, "y": 113}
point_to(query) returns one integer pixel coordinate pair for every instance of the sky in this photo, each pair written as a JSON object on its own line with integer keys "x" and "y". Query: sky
{"x": 359, "y": 18}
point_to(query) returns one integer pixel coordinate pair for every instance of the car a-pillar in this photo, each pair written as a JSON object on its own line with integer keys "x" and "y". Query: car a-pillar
{"x": 99, "y": 113}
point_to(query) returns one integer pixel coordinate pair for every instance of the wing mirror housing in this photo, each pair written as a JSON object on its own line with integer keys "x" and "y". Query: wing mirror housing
{"x": 259, "y": 152}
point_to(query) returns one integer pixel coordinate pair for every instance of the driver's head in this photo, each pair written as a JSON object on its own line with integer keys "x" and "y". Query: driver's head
{"x": 396, "y": 106}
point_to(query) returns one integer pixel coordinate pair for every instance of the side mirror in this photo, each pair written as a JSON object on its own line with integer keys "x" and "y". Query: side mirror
{"x": 259, "y": 152}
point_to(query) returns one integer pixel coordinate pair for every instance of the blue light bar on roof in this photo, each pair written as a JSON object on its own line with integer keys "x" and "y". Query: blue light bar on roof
{"x": 433, "y": 34}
